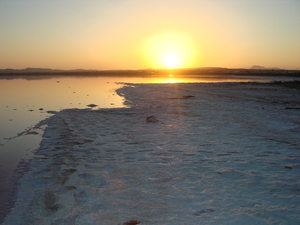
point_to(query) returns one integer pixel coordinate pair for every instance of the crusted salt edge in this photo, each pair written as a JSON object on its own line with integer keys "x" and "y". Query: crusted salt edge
{"x": 216, "y": 158}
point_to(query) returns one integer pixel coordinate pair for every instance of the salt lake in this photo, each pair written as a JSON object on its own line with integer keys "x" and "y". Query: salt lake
{"x": 27, "y": 100}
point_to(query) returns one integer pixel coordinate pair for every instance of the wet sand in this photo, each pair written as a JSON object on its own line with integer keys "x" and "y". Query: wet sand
{"x": 219, "y": 153}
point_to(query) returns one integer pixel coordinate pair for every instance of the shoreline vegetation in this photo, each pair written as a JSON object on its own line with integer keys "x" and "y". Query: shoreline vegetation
{"x": 153, "y": 72}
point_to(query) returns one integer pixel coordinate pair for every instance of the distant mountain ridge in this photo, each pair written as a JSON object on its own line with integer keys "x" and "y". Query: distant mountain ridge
{"x": 38, "y": 70}
{"x": 254, "y": 70}
{"x": 48, "y": 70}
{"x": 256, "y": 67}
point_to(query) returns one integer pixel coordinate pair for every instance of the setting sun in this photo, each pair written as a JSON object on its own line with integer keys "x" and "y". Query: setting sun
{"x": 171, "y": 50}
{"x": 171, "y": 61}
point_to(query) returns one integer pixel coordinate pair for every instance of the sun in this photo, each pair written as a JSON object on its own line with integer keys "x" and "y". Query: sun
{"x": 170, "y": 49}
{"x": 171, "y": 61}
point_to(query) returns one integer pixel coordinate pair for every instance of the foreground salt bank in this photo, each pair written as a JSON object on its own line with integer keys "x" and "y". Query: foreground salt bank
{"x": 227, "y": 154}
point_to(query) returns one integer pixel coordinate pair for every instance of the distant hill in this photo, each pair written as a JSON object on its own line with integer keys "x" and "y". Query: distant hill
{"x": 256, "y": 67}
{"x": 29, "y": 70}
{"x": 254, "y": 70}
{"x": 53, "y": 71}
{"x": 38, "y": 70}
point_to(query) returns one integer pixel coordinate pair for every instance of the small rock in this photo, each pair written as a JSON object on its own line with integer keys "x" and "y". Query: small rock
{"x": 92, "y": 105}
{"x": 151, "y": 119}
{"x": 32, "y": 132}
{"x": 187, "y": 96}
{"x": 52, "y": 112}
{"x": 199, "y": 213}
{"x": 132, "y": 222}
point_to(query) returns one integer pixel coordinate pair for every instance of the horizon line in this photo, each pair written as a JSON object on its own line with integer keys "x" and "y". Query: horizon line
{"x": 255, "y": 67}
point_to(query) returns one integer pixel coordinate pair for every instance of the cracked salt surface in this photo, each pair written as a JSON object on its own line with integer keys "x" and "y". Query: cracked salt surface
{"x": 229, "y": 155}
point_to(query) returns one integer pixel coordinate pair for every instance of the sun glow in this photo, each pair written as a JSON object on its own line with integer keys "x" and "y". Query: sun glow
{"x": 171, "y": 61}
{"x": 170, "y": 50}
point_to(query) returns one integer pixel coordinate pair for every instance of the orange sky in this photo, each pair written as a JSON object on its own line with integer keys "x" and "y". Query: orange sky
{"x": 137, "y": 34}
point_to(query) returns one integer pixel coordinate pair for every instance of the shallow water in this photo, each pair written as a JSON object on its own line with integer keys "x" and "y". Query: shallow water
{"x": 27, "y": 100}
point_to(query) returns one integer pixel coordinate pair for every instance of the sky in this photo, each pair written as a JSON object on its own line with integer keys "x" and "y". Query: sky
{"x": 138, "y": 34}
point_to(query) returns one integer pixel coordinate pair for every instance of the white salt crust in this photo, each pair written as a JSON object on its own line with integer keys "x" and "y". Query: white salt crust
{"x": 215, "y": 154}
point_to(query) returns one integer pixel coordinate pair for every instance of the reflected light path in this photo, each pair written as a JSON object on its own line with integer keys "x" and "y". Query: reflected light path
{"x": 201, "y": 79}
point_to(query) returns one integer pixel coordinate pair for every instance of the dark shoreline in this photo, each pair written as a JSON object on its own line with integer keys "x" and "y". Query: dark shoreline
{"x": 153, "y": 72}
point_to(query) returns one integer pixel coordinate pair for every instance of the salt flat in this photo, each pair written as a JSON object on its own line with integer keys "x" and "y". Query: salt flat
{"x": 223, "y": 153}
